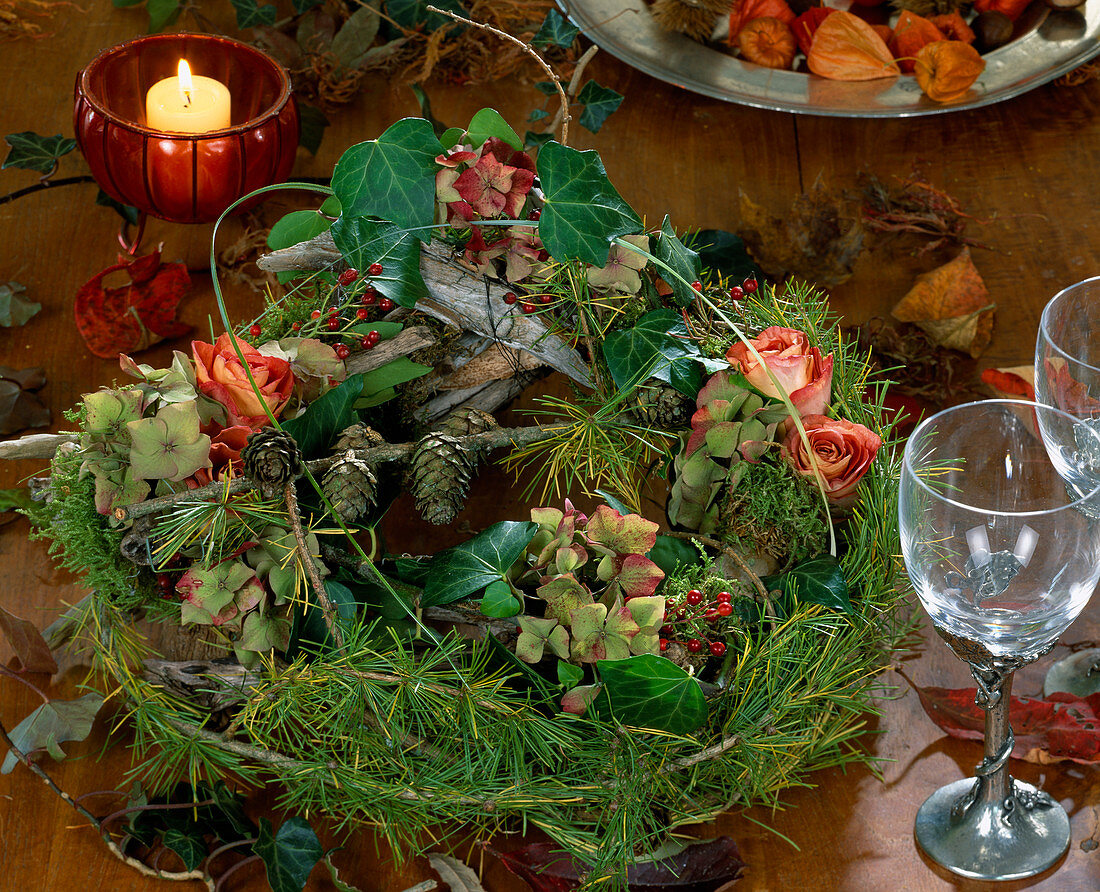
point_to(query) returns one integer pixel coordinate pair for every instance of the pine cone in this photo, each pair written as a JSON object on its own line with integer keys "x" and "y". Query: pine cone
{"x": 271, "y": 460}
{"x": 358, "y": 436}
{"x": 351, "y": 487}
{"x": 663, "y": 406}
{"x": 439, "y": 477}
{"x": 468, "y": 420}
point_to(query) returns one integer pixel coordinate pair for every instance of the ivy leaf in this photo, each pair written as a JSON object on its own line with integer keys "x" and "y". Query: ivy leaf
{"x": 27, "y": 642}
{"x": 569, "y": 675}
{"x": 313, "y": 124}
{"x": 488, "y": 123}
{"x": 391, "y": 177}
{"x": 318, "y": 427}
{"x": 648, "y": 691}
{"x": 723, "y": 252}
{"x": 32, "y": 151}
{"x": 684, "y": 261}
{"x": 582, "y": 211}
{"x": 413, "y": 13}
{"x": 379, "y": 384}
{"x": 52, "y": 724}
{"x": 16, "y": 310}
{"x": 289, "y": 854}
{"x": 555, "y": 31}
{"x": 127, "y": 212}
{"x": 250, "y": 13}
{"x": 295, "y": 228}
{"x": 363, "y": 241}
{"x": 668, "y": 553}
{"x": 162, "y": 13}
{"x": 310, "y": 631}
{"x": 191, "y": 849}
{"x": 498, "y": 601}
{"x": 353, "y": 41}
{"x": 12, "y": 500}
{"x": 536, "y": 140}
{"x": 816, "y": 581}
{"x": 599, "y": 102}
{"x": 467, "y": 568}
{"x": 658, "y": 346}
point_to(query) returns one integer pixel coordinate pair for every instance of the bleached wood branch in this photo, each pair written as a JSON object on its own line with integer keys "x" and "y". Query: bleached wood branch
{"x": 456, "y": 296}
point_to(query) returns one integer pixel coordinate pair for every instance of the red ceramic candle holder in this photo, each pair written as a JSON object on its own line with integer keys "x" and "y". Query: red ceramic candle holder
{"x": 185, "y": 177}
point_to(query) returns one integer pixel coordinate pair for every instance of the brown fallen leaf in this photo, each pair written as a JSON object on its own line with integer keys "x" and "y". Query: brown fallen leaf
{"x": 818, "y": 241}
{"x": 28, "y": 643}
{"x": 951, "y": 304}
{"x": 20, "y": 407}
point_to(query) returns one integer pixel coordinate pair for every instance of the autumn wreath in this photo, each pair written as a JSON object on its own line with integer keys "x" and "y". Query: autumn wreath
{"x": 581, "y": 672}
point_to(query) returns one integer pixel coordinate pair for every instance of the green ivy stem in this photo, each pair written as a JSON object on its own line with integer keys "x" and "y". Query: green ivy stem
{"x": 45, "y": 184}
{"x": 796, "y": 416}
{"x": 112, "y": 846}
{"x": 562, "y": 98}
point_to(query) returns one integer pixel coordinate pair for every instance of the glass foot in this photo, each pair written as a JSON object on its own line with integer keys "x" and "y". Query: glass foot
{"x": 1018, "y": 838}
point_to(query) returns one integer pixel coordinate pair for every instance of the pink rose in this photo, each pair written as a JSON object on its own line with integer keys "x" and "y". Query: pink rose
{"x": 798, "y": 367}
{"x": 221, "y": 377}
{"x": 843, "y": 450}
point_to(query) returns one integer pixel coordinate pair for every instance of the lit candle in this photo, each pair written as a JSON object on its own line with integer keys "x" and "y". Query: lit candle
{"x": 186, "y": 104}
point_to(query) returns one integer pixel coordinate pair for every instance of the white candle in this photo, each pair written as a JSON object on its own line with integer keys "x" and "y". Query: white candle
{"x": 186, "y": 104}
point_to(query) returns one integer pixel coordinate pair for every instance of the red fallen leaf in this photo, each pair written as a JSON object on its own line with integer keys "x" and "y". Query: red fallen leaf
{"x": 137, "y": 315}
{"x": 702, "y": 867}
{"x": 1008, "y": 383}
{"x": 28, "y": 643}
{"x": 1048, "y": 729}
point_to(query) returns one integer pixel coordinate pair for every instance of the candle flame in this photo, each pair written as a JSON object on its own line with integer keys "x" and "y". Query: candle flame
{"x": 184, "y": 72}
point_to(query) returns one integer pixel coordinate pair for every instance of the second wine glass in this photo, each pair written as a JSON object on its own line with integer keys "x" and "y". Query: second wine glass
{"x": 1003, "y": 559}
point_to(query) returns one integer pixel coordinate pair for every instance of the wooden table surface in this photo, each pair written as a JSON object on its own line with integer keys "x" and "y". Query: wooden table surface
{"x": 1030, "y": 163}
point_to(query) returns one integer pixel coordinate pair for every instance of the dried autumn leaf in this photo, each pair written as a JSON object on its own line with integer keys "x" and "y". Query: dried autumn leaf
{"x": 768, "y": 42}
{"x": 818, "y": 241}
{"x": 952, "y": 305}
{"x": 28, "y": 643}
{"x": 1047, "y": 729}
{"x": 20, "y": 407}
{"x": 1016, "y": 381}
{"x": 134, "y": 316}
{"x": 846, "y": 48}
{"x": 946, "y": 70}
{"x": 699, "y": 867}
{"x": 911, "y": 33}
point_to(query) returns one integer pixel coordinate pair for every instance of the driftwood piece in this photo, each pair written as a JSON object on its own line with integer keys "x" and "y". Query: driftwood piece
{"x": 488, "y": 397}
{"x": 405, "y": 342}
{"x": 209, "y": 684}
{"x": 458, "y": 297}
{"x": 34, "y": 446}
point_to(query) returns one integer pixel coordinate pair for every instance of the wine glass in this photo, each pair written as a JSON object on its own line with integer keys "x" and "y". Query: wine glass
{"x": 1003, "y": 560}
{"x": 1067, "y": 376}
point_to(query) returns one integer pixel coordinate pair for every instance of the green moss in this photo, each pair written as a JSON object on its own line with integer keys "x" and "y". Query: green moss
{"x": 84, "y": 540}
{"x": 775, "y": 511}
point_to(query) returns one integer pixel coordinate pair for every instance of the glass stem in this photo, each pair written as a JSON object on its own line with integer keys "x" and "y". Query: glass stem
{"x": 996, "y": 784}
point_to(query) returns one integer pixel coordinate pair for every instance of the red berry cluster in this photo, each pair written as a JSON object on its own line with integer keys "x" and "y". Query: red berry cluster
{"x": 527, "y": 302}
{"x": 749, "y": 286}
{"x": 360, "y": 299}
{"x": 691, "y": 621}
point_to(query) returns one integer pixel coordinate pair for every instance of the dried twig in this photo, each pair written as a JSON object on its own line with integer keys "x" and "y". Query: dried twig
{"x": 550, "y": 73}
{"x": 328, "y": 609}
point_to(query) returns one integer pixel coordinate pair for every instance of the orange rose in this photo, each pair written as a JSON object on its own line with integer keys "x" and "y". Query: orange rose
{"x": 798, "y": 367}
{"x": 843, "y": 450}
{"x": 221, "y": 377}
